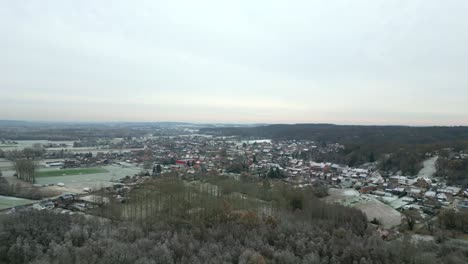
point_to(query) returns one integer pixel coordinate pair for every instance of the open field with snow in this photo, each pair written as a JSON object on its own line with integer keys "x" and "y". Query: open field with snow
{"x": 372, "y": 207}
{"x": 429, "y": 168}
{"x": 29, "y": 143}
{"x": 75, "y": 182}
{"x": 92, "y": 179}
{"x": 69, "y": 172}
{"x": 9, "y": 202}
{"x": 5, "y": 165}
{"x": 69, "y": 146}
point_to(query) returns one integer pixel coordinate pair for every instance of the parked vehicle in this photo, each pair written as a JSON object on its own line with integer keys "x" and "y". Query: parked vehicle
{"x": 78, "y": 207}
{"x": 45, "y": 205}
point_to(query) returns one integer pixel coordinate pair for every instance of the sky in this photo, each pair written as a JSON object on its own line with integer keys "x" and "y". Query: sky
{"x": 264, "y": 61}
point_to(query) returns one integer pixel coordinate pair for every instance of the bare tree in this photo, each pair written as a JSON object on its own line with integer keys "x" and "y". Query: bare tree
{"x": 25, "y": 170}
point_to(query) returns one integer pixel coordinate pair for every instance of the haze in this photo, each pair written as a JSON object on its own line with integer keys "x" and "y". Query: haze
{"x": 347, "y": 62}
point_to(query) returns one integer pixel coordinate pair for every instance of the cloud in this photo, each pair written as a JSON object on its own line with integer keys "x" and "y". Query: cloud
{"x": 263, "y": 61}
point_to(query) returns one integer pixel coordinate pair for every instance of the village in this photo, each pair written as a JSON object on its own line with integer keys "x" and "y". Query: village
{"x": 80, "y": 175}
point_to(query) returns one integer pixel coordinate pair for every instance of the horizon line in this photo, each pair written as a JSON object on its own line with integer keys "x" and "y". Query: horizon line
{"x": 222, "y": 123}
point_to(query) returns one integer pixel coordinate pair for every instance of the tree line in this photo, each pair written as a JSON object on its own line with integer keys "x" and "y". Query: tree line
{"x": 24, "y": 162}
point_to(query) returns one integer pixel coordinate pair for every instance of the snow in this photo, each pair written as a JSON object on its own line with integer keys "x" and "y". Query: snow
{"x": 351, "y": 192}
{"x": 429, "y": 168}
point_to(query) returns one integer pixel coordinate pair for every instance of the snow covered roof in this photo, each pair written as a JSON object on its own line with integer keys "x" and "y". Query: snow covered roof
{"x": 430, "y": 194}
{"x": 455, "y": 190}
{"x": 441, "y": 196}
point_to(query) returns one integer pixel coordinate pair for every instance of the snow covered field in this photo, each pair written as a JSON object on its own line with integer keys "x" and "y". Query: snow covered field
{"x": 429, "y": 168}
{"x": 368, "y": 204}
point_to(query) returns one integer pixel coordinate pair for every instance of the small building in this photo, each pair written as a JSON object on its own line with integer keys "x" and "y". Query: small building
{"x": 424, "y": 183}
{"x": 442, "y": 197}
{"x": 430, "y": 194}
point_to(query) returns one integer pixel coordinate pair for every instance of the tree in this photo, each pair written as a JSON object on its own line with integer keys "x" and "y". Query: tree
{"x": 236, "y": 167}
{"x": 38, "y": 150}
{"x": 410, "y": 219}
{"x": 25, "y": 170}
{"x": 13, "y": 155}
{"x": 255, "y": 159}
{"x": 275, "y": 173}
{"x": 158, "y": 168}
{"x": 29, "y": 153}
{"x": 147, "y": 165}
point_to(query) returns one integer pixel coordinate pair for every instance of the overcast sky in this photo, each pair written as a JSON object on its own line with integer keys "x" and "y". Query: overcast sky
{"x": 346, "y": 62}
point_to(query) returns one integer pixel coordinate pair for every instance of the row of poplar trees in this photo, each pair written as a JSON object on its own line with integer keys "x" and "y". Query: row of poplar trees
{"x": 24, "y": 162}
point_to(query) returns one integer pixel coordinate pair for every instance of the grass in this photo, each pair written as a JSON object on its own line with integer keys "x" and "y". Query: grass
{"x": 69, "y": 172}
{"x": 9, "y": 202}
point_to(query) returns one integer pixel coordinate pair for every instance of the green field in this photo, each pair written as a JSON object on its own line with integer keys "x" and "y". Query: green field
{"x": 9, "y": 202}
{"x": 69, "y": 172}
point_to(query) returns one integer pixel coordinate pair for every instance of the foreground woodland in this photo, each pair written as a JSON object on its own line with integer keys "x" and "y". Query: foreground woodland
{"x": 172, "y": 221}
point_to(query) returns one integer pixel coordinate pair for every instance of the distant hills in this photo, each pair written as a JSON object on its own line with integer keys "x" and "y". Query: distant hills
{"x": 16, "y": 123}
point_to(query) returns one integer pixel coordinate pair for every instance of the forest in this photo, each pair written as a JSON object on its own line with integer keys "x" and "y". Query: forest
{"x": 185, "y": 223}
{"x": 400, "y": 135}
{"x": 454, "y": 170}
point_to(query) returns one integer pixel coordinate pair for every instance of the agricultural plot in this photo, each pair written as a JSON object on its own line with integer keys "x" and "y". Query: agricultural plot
{"x": 68, "y": 172}
{"x": 372, "y": 207}
{"x": 5, "y": 164}
{"x": 10, "y": 202}
{"x": 93, "y": 178}
{"x": 21, "y": 144}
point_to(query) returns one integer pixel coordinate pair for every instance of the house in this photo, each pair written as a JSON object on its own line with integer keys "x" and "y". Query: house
{"x": 424, "y": 183}
{"x": 379, "y": 193}
{"x": 430, "y": 194}
{"x": 66, "y": 198}
{"x": 442, "y": 197}
{"x": 402, "y": 180}
{"x": 368, "y": 189}
{"x": 55, "y": 164}
{"x": 399, "y": 191}
{"x": 415, "y": 192}
{"x": 454, "y": 190}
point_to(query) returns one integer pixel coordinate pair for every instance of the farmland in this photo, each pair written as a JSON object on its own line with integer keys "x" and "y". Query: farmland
{"x": 369, "y": 205}
{"x": 69, "y": 172}
{"x": 9, "y": 202}
{"x": 94, "y": 178}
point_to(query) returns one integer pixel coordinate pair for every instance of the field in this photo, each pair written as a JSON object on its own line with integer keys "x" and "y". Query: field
{"x": 372, "y": 207}
{"x": 68, "y": 172}
{"x": 74, "y": 183}
{"x": 29, "y": 143}
{"x": 9, "y": 202}
{"x": 5, "y": 164}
